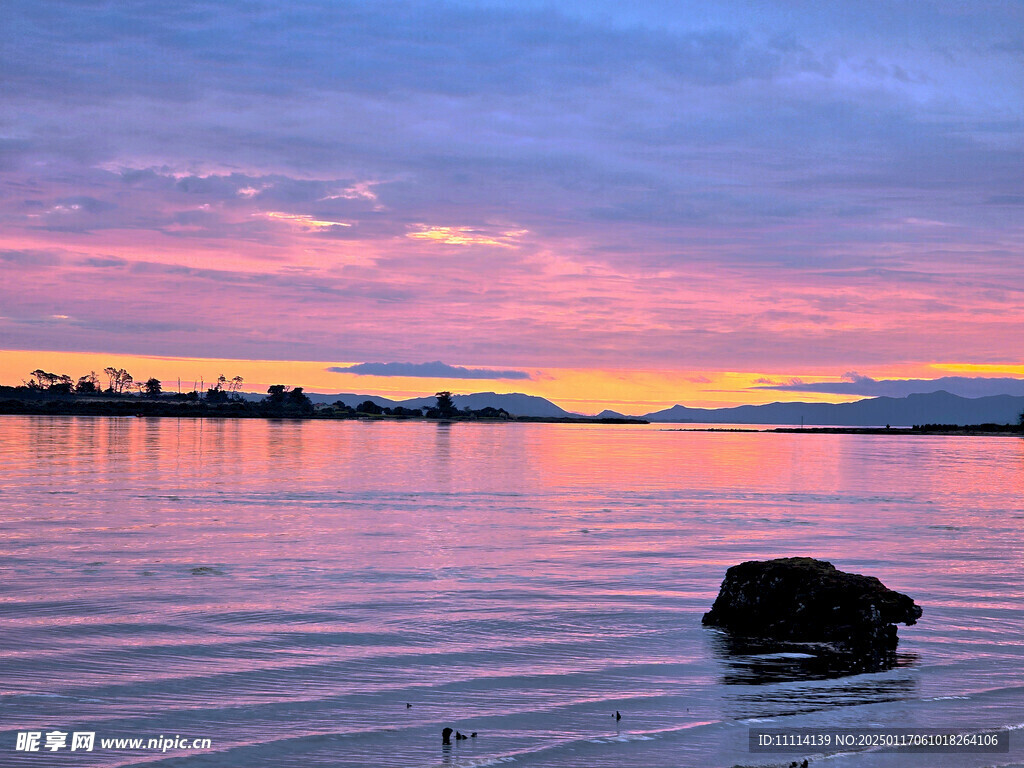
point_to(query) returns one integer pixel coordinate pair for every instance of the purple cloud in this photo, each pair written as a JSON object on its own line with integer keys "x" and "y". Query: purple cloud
{"x": 434, "y": 370}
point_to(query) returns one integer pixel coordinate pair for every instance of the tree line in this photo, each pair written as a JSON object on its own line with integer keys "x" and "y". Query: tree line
{"x": 60, "y": 393}
{"x": 443, "y": 409}
{"x": 121, "y": 382}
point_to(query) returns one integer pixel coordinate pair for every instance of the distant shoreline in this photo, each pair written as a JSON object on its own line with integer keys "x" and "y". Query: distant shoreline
{"x": 130, "y": 406}
{"x": 971, "y": 430}
{"x": 122, "y": 408}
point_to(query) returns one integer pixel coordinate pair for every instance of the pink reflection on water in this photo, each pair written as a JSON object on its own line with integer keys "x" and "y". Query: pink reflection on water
{"x": 169, "y": 566}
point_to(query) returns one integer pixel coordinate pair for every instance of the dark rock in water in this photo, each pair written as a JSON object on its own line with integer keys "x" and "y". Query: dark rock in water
{"x": 807, "y": 601}
{"x": 206, "y": 570}
{"x": 446, "y": 736}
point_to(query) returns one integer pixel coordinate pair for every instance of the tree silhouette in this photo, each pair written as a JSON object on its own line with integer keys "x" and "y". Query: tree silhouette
{"x": 87, "y": 384}
{"x": 283, "y": 401}
{"x": 490, "y": 412}
{"x": 216, "y": 395}
{"x": 61, "y": 385}
{"x": 298, "y": 399}
{"x": 118, "y": 379}
{"x": 276, "y": 394}
{"x": 39, "y": 379}
{"x": 153, "y": 387}
{"x": 445, "y": 405}
{"x": 57, "y": 383}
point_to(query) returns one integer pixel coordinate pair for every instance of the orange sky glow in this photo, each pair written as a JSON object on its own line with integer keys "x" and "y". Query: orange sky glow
{"x": 587, "y": 391}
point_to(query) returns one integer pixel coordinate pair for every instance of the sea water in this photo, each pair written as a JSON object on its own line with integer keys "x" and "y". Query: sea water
{"x": 335, "y": 593}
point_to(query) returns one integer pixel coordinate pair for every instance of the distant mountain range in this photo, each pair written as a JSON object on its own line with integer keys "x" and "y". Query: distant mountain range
{"x": 932, "y": 408}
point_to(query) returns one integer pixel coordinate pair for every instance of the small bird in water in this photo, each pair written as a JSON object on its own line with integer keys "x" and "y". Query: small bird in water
{"x": 446, "y": 736}
{"x": 472, "y": 735}
{"x": 408, "y": 705}
{"x": 617, "y": 716}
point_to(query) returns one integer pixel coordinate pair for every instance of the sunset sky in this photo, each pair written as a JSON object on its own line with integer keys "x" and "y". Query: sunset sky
{"x": 624, "y": 205}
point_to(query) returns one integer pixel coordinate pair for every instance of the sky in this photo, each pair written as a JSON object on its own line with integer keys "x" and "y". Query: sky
{"x": 613, "y": 205}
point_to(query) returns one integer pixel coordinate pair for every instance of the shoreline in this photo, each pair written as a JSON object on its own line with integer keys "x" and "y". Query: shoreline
{"x": 123, "y": 408}
{"x": 967, "y": 430}
{"x": 243, "y": 409}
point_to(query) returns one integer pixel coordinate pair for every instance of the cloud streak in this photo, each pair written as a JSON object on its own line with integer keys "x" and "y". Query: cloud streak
{"x": 434, "y": 370}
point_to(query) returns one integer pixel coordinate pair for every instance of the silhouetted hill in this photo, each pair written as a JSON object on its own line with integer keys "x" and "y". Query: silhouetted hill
{"x": 932, "y": 408}
{"x": 609, "y": 414}
{"x": 515, "y": 403}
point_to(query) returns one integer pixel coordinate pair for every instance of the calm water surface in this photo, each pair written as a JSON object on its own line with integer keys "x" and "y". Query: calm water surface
{"x": 285, "y": 589}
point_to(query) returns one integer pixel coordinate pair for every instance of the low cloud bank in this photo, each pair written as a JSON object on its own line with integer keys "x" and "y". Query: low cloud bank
{"x": 434, "y": 370}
